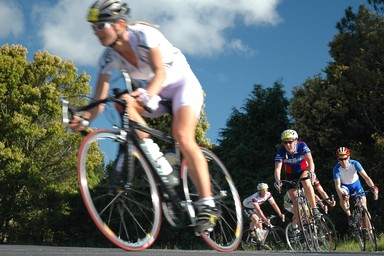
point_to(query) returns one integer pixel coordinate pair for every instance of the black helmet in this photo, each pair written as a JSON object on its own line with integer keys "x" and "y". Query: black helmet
{"x": 108, "y": 10}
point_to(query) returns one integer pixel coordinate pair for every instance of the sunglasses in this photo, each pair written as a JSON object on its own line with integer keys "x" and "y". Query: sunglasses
{"x": 288, "y": 142}
{"x": 100, "y": 26}
{"x": 342, "y": 159}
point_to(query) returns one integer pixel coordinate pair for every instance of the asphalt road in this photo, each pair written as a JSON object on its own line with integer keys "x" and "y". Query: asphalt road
{"x": 30, "y": 250}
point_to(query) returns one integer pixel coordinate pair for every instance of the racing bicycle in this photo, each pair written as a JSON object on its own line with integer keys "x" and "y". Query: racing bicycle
{"x": 273, "y": 237}
{"x": 311, "y": 234}
{"x": 128, "y": 209}
{"x": 364, "y": 231}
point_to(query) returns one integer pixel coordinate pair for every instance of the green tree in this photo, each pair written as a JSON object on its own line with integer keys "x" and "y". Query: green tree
{"x": 248, "y": 143}
{"x": 37, "y": 156}
{"x": 345, "y": 108}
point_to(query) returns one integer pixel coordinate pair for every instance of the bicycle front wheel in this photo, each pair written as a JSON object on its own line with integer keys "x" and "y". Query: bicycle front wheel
{"x": 226, "y": 235}
{"x": 324, "y": 236}
{"x": 331, "y": 228}
{"x": 358, "y": 232}
{"x": 126, "y": 210}
{"x": 276, "y": 239}
{"x": 295, "y": 238}
{"x": 369, "y": 232}
{"x": 306, "y": 224}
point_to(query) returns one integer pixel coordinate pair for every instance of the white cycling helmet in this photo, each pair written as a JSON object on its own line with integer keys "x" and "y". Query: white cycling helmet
{"x": 289, "y": 135}
{"x": 262, "y": 186}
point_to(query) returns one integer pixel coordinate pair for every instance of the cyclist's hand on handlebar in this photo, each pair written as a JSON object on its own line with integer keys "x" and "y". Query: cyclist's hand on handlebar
{"x": 78, "y": 124}
{"x": 312, "y": 177}
{"x": 332, "y": 203}
{"x": 375, "y": 191}
{"x": 146, "y": 100}
{"x": 277, "y": 185}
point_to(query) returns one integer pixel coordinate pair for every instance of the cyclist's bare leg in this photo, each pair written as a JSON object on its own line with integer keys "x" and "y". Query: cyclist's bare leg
{"x": 293, "y": 196}
{"x": 344, "y": 203}
{"x": 308, "y": 190}
{"x": 134, "y": 111}
{"x": 184, "y": 131}
{"x": 254, "y": 222}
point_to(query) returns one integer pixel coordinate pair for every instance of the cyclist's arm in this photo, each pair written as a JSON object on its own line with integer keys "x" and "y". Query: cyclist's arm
{"x": 101, "y": 92}
{"x": 102, "y": 88}
{"x": 275, "y": 207}
{"x": 324, "y": 195}
{"x": 367, "y": 179}
{"x": 311, "y": 164}
{"x": 341, "y": 192}
{"x": 261, "y": 213}
{"x": 157, "y": 65}
{"x": 277, "y": 173}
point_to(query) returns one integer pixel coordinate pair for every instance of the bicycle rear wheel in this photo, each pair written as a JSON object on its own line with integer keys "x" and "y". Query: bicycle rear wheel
{"x": 276, "y": 239}
{"x": 226, "y": 235}
{"x": 369, "y": 233}
{"x": 127, "y": 213}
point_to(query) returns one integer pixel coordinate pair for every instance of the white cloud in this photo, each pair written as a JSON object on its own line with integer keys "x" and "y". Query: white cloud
{"x": 198, "y": 27}
{"x": 11, "y": 19}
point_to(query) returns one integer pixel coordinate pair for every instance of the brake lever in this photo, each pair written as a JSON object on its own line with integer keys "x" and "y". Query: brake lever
{"x": 64, "y": 106}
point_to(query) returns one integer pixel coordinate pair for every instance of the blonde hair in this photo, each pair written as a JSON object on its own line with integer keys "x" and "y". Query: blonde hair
{"x": 146, "y": 23}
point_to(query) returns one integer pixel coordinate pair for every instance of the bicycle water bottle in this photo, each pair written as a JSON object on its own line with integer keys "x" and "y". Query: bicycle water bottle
{"x": 162, "y": 166}
{"x": 259, "y": 234}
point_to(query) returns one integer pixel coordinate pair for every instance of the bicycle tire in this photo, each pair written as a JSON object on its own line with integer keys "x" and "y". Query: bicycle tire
{"x": 295, "y": 241}
{"x": 305, "y": 221}
{"x": 276, "y": 239}
{"x": 324, "y": 236}
{"x": 226, "y": 236}
{"x": 368, "y": 232}
{"x": 128, "y": 214}
{"x": 331, "y": 228}
{"x": 248, "y": 243}
{"x": 358, "y": 233}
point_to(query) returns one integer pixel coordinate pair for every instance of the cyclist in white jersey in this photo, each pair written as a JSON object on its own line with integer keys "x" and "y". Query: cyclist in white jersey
{"x": 145, "y": 54}
{"x": 252, "y": 209}
{"x": 346, "y": 178}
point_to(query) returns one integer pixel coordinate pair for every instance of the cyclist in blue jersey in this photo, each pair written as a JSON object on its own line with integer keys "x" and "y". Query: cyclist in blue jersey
{"x": 297, "y": 159}
{"x": 346, "y": 177}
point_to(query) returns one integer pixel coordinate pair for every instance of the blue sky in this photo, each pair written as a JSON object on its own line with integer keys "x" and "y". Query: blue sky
{"x": 231, "y": 45}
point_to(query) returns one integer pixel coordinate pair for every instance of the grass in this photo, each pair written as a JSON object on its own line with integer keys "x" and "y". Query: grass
{"x": 350, "y": 245}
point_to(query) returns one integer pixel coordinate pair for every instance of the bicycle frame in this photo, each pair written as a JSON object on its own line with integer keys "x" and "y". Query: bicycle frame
{"x": 129, "y": 136}
{"x": 304, "y": 212}
{"x": 363, "y": 221}
{"x": 136, "y": 229}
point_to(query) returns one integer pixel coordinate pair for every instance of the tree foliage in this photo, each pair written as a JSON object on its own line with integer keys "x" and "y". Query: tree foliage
{"x": 37, "y": 160}
{"x": 345, "y": 108}
{"x": 247, "y": 144}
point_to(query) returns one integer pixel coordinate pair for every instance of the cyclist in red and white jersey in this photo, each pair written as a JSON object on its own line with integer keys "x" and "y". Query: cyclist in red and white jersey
{"x": 252, "y": 209}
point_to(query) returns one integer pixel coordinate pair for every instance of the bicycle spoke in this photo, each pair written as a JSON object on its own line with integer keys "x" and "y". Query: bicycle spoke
{"x": 370, "y": 241}
{"x": 226, "y": 235}
{"x": 129, "y": 215}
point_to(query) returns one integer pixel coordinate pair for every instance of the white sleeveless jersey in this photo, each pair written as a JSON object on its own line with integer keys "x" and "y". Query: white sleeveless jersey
{"x": 181, "y": 85}
{"x": 256, "y": 198}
